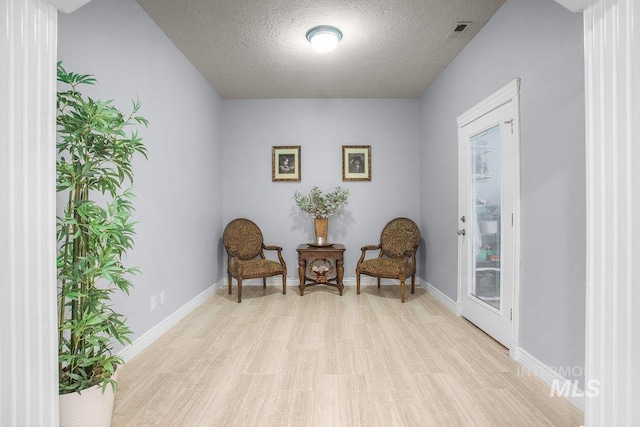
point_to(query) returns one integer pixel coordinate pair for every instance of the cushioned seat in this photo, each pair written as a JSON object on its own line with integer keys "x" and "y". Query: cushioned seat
{"x": 396, "y": 259}
{"x": 255, "y": 268}
{"x": 387, "y": 267}
{"x": 245, "y": 255}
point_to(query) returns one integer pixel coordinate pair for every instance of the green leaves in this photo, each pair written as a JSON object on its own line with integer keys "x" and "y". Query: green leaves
{"x": 92, "y": 135}
{"x": 73, "y": 79}
{"x": 320, "y": 205}
{"x": 95, "y": 155}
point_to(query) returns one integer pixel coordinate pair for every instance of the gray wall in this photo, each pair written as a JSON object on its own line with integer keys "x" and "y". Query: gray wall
{"x": 179, "y": 189}
{"x": 321, "y": 127}
{"x": 414, "y": 161}
{"x": 542, "y": 43}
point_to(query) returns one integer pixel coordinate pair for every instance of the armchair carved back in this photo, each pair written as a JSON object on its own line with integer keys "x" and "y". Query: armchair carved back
{"x": 244, "y": 238}
{"x": 398, "y": 236}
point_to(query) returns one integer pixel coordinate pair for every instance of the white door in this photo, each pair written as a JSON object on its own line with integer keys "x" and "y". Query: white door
{"x": 488, "y": 208}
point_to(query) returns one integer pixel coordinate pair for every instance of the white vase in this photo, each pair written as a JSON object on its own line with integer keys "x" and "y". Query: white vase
{"x": 92, "y": 408}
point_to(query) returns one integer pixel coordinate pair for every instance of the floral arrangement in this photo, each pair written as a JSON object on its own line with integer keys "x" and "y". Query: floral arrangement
{"x": 319, "y": 205}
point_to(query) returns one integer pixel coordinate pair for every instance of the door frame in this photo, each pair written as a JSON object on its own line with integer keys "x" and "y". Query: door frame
{"x": 508, "y": 93}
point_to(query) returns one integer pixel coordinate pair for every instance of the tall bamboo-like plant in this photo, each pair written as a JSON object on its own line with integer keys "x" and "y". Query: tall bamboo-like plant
{"x": 95, "y": 151}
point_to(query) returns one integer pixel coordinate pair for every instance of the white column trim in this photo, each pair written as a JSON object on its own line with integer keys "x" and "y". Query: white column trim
{"x": 28, "y": 313}
{"x": 68, "y": 6}
{"x": 29, "y": 374}
{"x": 612, "y": 77}
{"x": 575, "y": 5}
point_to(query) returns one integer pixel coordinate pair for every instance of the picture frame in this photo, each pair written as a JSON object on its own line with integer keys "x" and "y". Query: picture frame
{"x": 285, "y": 163}
{"x": 356, "y": 163}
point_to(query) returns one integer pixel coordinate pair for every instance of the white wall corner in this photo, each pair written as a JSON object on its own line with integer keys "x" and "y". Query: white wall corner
{"x": 68, "y": 6}
{"x": 575, "y": 5}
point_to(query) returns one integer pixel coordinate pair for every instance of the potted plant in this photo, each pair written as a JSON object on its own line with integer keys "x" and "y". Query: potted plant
{"x": 93, "y": 233}
{"x": 321, "y": 207}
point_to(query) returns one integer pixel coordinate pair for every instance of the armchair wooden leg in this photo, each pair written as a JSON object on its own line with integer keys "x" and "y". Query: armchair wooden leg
{"x": 264, "y": 283}
{"x": 358, "y": 284}
{"x": 230, "y": 284}
{"x": 284, "y": 284}
{"x": 413, "y": 284}
{"x": 378, "y": 283}
{"x": 239, "y": 290}
{"x": 402, "y": 286}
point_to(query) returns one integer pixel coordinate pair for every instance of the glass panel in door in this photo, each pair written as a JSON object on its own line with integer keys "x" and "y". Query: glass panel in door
{"x": 485, "y": 216}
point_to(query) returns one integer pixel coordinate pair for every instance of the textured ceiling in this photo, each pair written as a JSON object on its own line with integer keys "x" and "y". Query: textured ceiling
{"x": 258, "y": 49}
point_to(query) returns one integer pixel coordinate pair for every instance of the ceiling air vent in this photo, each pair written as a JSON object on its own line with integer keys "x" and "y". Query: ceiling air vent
{"x": 459, "y": 28}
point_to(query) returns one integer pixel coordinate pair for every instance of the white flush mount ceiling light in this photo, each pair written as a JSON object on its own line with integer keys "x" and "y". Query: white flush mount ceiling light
{"x": 324, "y": 38}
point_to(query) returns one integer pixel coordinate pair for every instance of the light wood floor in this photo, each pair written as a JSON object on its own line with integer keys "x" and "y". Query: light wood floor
{"x": 326, "y": 360}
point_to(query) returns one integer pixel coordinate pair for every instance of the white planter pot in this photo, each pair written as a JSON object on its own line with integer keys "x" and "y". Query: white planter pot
{"x": 92, "y": 408}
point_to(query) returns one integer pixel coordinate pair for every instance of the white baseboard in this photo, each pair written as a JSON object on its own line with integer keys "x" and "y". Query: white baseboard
{"x": 529, "y": 362}
{"x": 549, "y": 376}
{"x": 532, "y": 365}
{"x": 146, "y": 339}
{"x": 440, "y": 296}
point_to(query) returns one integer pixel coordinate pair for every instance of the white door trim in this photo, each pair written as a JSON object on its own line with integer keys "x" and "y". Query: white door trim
{"x": 508, "y": 93}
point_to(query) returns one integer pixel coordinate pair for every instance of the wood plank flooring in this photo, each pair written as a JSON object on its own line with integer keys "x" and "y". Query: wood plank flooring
{"x": 326, "y": 360}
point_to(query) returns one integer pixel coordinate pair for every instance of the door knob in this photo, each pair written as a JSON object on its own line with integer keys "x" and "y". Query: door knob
{"x": 461, "y": 232}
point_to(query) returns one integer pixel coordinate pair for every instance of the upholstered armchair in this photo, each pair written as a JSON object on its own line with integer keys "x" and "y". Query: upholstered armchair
{"x": 245, "y": 255}
{"x": 396, "y": 259}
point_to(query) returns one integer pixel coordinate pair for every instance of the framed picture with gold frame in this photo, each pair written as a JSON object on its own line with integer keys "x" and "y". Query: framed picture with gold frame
{"x": 285, "y": 163}
{"x": 356, "y": 163}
